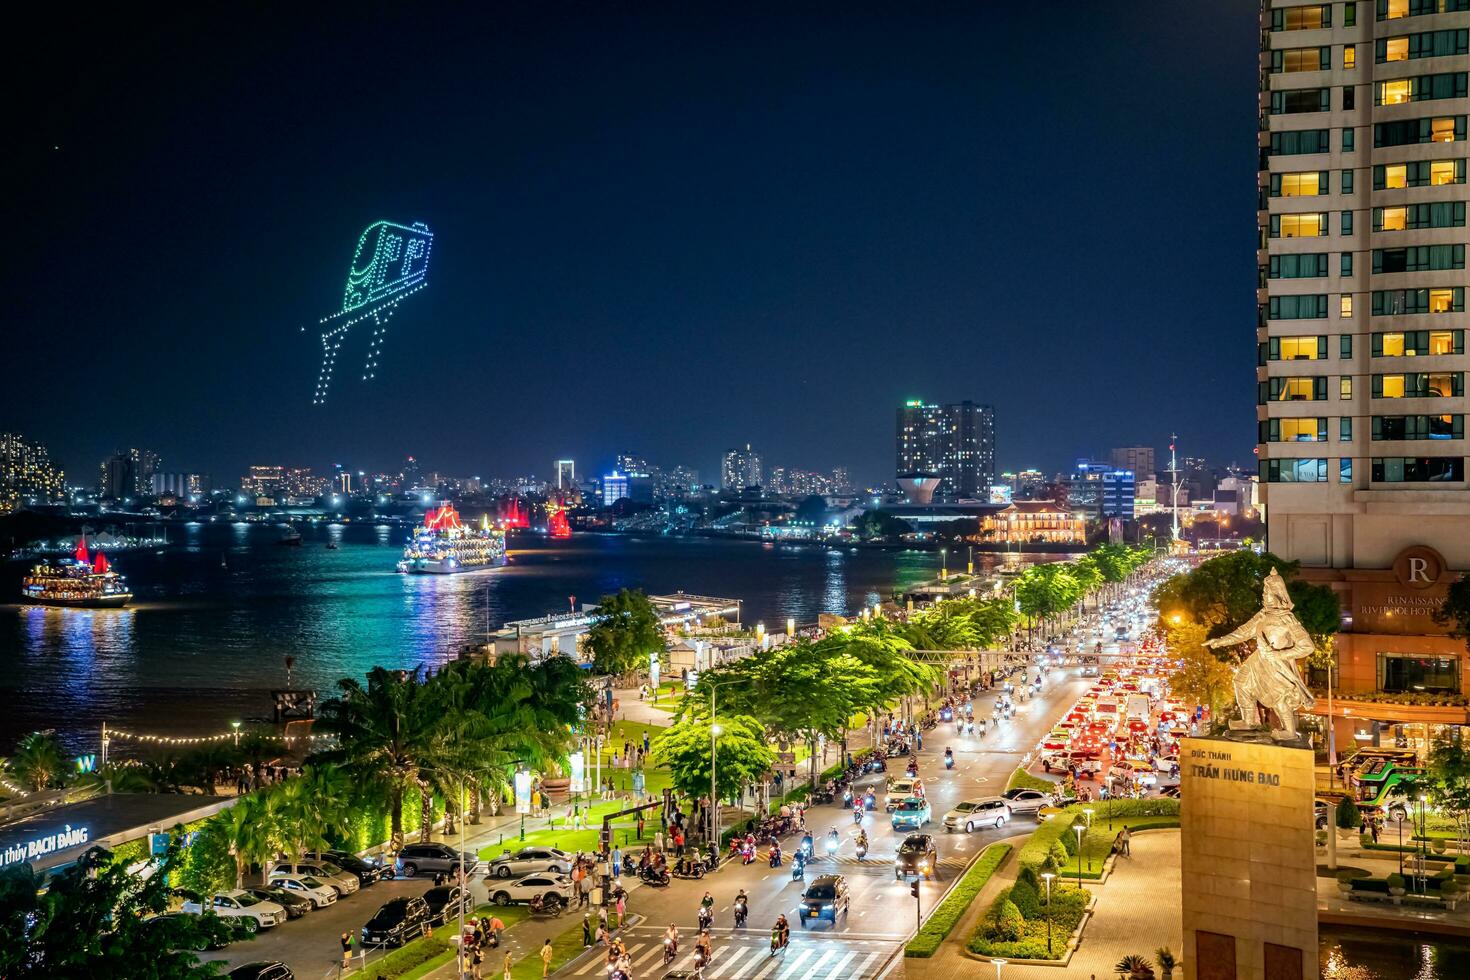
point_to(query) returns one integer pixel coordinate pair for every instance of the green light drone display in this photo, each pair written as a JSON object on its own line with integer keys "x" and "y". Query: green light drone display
{"x": 391, "y": 263}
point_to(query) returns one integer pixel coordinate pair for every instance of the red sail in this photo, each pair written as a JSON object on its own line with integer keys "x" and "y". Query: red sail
{"x": 81, "y": 553}
{"x": 100, "y": 566}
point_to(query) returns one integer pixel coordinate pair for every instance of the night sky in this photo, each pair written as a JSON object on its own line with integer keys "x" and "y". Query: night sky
{"x": 657, "y": 229}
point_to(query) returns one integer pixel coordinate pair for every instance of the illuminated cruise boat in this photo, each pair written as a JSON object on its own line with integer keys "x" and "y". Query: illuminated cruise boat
{"x": 77, "y": 581}
{"x": 442, "y": 545}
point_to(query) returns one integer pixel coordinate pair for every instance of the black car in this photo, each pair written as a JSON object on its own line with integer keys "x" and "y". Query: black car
{"x": 367, "y": 872}
{"x": 445, "y": 902}
{"x": 262, "y": 970}
{"x": 398, "y": 921}
{"x": 825, "y": 898}
{"x": 917, "y": 856}
{"x": 295, "y": 904}
{"x": 205, "y": 932}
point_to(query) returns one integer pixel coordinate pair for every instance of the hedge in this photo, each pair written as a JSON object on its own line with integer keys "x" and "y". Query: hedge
{"x": 1021, "y": 779}
{"x": 942, "y": 920}
{"x": 410, "y": 955}
{"x": 999, "y": 934}
{"x": 1134, "y": 814}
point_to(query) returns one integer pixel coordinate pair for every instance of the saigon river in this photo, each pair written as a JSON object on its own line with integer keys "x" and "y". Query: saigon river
{"x": 215, "y": 616}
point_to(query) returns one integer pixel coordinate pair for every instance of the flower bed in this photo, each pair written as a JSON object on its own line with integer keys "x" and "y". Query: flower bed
{"x": 1016, "y": 924}
{"x": 943, "y": 919}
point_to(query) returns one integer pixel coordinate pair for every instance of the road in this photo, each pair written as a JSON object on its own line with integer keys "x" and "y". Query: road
{"x": 882, "y": 911}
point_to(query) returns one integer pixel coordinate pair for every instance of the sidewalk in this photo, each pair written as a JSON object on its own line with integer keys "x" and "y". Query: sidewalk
{"x": 1137, "y": 911}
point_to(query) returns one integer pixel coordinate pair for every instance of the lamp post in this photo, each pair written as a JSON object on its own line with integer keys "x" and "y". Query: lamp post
{"x": 998, "y": 964}
{"x": 236, "y": 726}
{"x": 1077, "y": 828}
{"x": 943, "y": 564}
{"x": 1400, "y": 818}
{"x": 1047, "y": 876}
{"x": 1423, "y": 835}
{"x": 714, "y": 794}
{"x": 1087, "y": 812}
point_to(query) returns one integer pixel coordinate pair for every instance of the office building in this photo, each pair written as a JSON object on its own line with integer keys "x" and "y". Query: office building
{"x": 1360, "y": 339}
{"x": 128, "y": 474}
{"x": 955, "y": 443}
{"x": 264, "y": 482}
{"x": 614, "y": 488}
{"x": 740, "y": 468}
{"x": 566, "y": 474}
{"x": 27, "y": 473}
{"x": 180, "y": 485}
{"x": 1118, "y": 491}
{"x": 1137, "y": 459}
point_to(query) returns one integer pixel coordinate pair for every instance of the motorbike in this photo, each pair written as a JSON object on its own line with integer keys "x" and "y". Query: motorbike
{"x": 741, "y": 911}
{"x": 862, "y": 850}
{"x": 870, "y": 801}
{"x": 806, "y": 847}
{"x": 547, "y": 905}
{"x": 778, "y": 941}
{"x": 912, "y": 770}
{"x": 699, "y": 961}
{"x": 798, "y": 867}
{"x": 831, "y": 845}
{"x": 857, "y": 814}
{"x": 775, "y": 858}
{"x": 948, "y": 760}
{"x": 747, "y": 855}
{"x": 653, "y": 876}
{"x": 706, "y": 916}
{"x": 822, "y": 796}
{"x": 671, "y": 950}
{"x": 694, "y": 873}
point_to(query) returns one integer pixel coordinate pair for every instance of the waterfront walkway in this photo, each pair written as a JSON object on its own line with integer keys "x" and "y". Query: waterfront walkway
{"x": 1137, "y": 911}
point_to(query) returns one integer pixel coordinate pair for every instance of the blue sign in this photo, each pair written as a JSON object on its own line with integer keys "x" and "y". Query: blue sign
{"x": 158, "y": 844}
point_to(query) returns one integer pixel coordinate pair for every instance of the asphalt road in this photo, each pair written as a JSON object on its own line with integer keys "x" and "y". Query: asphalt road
{"x": 882, "y": 910}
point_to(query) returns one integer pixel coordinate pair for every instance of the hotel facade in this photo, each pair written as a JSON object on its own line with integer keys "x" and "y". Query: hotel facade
{"x": 1360, "y": 338}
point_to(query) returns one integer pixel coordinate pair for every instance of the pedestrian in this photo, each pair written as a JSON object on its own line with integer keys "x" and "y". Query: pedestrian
{"x": 622, "y": 906}
{"x": 477, "y": 962}
{"x": 346, "y": 949}
{"x": 586, "y": 929}
{"x": 1125, "y": 839}
{"x": 496, "y": 928}
{"x": 658, "y": 841}
{"x": 546, "y": 954}
{"x": 645, "y": 743}
{"x": 617, "y": 862}
{"x": 508, "y": 965}
{"x": 1373, "y": 829}
{"x": 640, "y": 826}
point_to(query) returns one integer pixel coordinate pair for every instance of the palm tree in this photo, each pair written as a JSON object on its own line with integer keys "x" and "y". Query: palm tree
{"x": 386, "y": 733}
{"x": 247, "y": 831}
{"x": 39, "y": 761}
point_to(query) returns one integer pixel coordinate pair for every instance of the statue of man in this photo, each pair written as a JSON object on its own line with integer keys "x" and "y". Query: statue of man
{"x": 1269, "y": 676}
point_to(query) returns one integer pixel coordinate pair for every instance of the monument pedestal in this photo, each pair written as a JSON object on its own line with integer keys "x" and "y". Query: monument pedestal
{"x": 1249, "y": 874}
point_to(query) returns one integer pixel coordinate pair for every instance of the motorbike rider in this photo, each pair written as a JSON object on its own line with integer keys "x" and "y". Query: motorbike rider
{"x": 780, "y": 933}
{"x": 807, "y": 844}
{"x": 948, "y": 757}
{"x": 862, "y": 841}
{"x": 857, "y": 811}
{"x": 833, "y": 839}
{"x": 775, "y": 854}
{"x": 742, "y": 907}
{"x": 671, "y": 938}
{"x": 703, "y": 949}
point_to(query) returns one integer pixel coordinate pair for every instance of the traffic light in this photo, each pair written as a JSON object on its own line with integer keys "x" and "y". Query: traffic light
{"x": 914, "y": 888}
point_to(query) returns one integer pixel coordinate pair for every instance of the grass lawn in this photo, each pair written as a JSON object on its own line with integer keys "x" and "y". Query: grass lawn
{"x": 436, "y": 947}
{"x": 1021, "y": 779}
{"x": 564, "y": 948}
{"x": 942, "y": 920}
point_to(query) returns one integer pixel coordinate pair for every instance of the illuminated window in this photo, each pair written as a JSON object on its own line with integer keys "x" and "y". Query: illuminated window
{"x": 1442, "y": 129}
{"x": 1349, "y": 57}
{"x": 1405, "y": 132}
{"x": 1393, "y": 302}
{"x": 1395, "y": 176}
{"x": 1444, "y": 342}
{"x": 1345, "y": 305}
{"x": 1296, "y": 390}
{"x": 1394, "y": 49}
{"x": 1345, "y": 387}
{"x": 1440, "y": 214}
{"x": 1298, "y": 348}
{"x": 1395, "y": 92}
{"x": 1393, "y": 219}
{"x": 1306, "y": 184}
{"x": 1299, "y": 225}
{"x": 1392, "y": 345}
{"x": 1392, "y": 9}
{"x": 1446, "y": 172}
{"x": 1443, "y": 301}
{"x": 1301, "y": 59}
{"x": 1302, "y": 18}
{"x": 1392, "y": 386}
{"x": 1436, "y": 384}
{"x": 1303, "y": 430}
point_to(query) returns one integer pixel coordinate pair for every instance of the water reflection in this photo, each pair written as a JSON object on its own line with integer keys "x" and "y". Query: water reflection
{"x": 1374, "y": 955}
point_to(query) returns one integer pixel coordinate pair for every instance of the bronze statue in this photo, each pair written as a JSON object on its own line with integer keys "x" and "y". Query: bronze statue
{"x": 1269, "y": 676}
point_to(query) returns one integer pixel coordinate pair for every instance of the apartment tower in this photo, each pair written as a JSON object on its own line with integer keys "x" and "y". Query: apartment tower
{"x": 955, "y": 443}
{"x": 1360, "y": 335}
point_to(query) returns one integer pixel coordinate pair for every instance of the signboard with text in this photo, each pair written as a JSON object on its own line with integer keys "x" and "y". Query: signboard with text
{"x": 523, "y": 792}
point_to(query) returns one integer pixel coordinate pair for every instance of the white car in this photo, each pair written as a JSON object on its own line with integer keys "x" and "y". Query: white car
{"x": 1025, "y": 800}
{"x": 900, "y": 790}
{"x": 528, "y": 860}
{"x": 307, "y": 886}
{"x": 987, "y": 811}
{"x": 531, "y": 886}
{"x": 345, "y": 882}
{"x": 240, "y": 904}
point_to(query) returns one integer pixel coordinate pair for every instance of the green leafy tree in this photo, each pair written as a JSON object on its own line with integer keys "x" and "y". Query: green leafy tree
{"x": 1224, "y": 592}
{"x": 1448, "y": 783}
{"x": 625, "y": 631}
{"x": 1454, "y": 612}
{"x": 879, "y": 525}
{"x": 39, "y": 761}
{"x": 744, "y": 755}
{"x": 1204, "y": 678}
{"x": 89, "y": 921}
{"x": 1348, "y": 817}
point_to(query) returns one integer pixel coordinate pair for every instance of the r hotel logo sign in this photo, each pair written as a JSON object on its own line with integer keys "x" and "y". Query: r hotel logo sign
{"x": 1217, "y": 763}
{"x": 1407, "y": 602}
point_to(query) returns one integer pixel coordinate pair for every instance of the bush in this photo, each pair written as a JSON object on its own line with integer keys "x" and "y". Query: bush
{"x": 410, "y": 955}
{"x": 1021, "y": 779}
{"x": 1348, "y": 817}
{"x": 1007, "y": 922}
{"x": 1025, "y": 895}
{"x": 942, "y": 920}
{"x": 995, "y": 936}
{"x": 1395, "y": 880}
{"x": 1348, "y": 877}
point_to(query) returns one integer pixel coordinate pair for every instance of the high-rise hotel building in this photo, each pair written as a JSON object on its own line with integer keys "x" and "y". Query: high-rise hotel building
{"x": 1360, "y": 336}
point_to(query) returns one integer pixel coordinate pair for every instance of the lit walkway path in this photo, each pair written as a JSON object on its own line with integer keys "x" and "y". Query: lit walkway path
{"x": 1137, "y": 912}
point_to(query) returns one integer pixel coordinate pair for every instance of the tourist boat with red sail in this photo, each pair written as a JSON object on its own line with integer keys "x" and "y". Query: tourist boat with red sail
{"x": 80, "y": 581}
{"x": 444, "y": 545}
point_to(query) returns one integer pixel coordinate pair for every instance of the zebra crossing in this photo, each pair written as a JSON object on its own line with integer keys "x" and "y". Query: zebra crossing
{"x": 748, "y": 957}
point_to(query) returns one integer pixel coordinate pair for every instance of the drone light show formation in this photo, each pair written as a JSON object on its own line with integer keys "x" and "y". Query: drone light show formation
{"x": 391, "y": 263}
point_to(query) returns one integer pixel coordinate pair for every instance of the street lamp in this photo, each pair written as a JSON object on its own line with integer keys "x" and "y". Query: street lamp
{"x": 1400, "y": 818}
{"x": 1087, "y": 812}
{"x": 714, "y": 793}
{"x": 1077, "y": 828}
{"x": 943, "y": 564}
{"x": 236, "y": 726}
{"x": 1047, "y": 876}
{"x": 998, "y": 964}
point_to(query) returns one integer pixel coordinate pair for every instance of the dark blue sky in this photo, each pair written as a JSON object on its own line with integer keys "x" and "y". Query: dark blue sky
{"x": 656, "y": 229}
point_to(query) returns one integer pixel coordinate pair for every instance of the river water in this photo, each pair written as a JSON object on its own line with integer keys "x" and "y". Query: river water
{"x": 1372, "y": 954}
{"x": 215, "y": 616}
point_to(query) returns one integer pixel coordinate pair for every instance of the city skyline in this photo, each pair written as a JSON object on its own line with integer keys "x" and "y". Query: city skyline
{"x": 759, "y": 263}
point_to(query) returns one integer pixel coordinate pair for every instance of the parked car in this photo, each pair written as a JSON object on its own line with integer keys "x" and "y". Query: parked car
{"x": 218, "y": 934}
{"x": 396, "y": 922}
{"x": 532, "y": 885}
{"x": 987, "y": 811}
{"x": 295, "y": 904}
{"x": 911, "y": 813}
{"x": 446, "y": 901}
{"x": 238, "y": 903}
{"x": 530, "y": 859}
{"x": 344, "y": 882}
{"x": 262, "y": 970}
{"x": 368, "y": 872}
{"x": 432, "y": 857}
{"x": 825, "y": 898}
{"x": 917, "y": 856}
{"x": 311, "y": 887}
{"x": 1025, "y": 800}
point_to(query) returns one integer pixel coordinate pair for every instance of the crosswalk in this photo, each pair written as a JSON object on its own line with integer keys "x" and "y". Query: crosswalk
{"x": 749, "y": 958}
